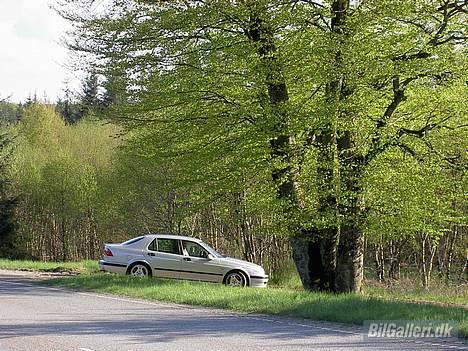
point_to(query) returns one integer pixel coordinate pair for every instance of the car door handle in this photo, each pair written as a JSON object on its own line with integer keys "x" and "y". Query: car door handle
{"x": 151, "y": 254}
{"x": 187, "y": 259}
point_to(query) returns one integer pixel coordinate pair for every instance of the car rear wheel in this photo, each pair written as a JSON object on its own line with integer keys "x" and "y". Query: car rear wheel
{"x": 139, "y": 270}
{"x": 235, "y": 279}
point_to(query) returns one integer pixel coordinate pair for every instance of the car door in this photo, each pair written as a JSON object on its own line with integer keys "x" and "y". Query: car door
{"x": 165, "y": 257}
{"x": 197, "y": 265}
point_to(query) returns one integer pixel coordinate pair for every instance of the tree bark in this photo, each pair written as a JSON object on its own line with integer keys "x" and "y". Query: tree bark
{"x": 379, "y": 261}
{"x": 314, "y": 257}
{"x": 350, "y": 250}
{"x": 395, "y": 257}
{"x": 326, "y": 181}
{"x": 350, "y": 255}
{"x": 448, "y": 263}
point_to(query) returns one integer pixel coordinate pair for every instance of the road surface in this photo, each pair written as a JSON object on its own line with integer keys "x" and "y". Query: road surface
{"x": 35, "y": 318}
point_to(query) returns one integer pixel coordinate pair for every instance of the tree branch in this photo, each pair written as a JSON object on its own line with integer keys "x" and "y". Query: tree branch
{"x": 448, "y": 11}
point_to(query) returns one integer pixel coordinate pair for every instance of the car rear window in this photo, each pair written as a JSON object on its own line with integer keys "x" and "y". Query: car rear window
{"x": 169, "y": 246}
{"x": 132, "y": 241}
{"x": 153, "y": 246}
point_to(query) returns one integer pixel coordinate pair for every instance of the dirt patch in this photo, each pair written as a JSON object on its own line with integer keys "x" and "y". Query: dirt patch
{"x": 60, "y": 271}
{"x": 43, "y": 273}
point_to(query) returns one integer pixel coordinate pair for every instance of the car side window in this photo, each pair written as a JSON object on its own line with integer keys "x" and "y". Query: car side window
{"x": 194, "y": 250}
{"x": 168, "y": 246}
{"x": 153, "y": 246}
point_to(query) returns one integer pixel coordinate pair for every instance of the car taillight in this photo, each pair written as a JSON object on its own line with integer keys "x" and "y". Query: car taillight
{"x": 107, "y": 252}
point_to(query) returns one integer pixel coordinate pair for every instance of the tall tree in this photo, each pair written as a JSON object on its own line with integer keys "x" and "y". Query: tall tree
{"x": 7, "y": 200}
{"x": 68, "y": 107}
{"x": 90, "y": 95}
{"x": 303, "y": 95}
{"x": 57, "y": 170}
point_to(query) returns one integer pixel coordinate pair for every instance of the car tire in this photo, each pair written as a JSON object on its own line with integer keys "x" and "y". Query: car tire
{"x": 139, "y": 270}
{"x": 235, "y": 279}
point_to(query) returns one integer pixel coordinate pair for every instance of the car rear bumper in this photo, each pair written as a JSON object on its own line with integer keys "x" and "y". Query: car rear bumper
{"x": 258, "y": 281}
{"x": 112, "y": 267}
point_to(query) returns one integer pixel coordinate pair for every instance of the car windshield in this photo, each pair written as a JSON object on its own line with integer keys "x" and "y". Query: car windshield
{"x": 212, "y": 251}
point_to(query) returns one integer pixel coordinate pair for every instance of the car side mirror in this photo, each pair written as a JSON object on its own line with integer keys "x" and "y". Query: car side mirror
{"x": 210, "y": 257}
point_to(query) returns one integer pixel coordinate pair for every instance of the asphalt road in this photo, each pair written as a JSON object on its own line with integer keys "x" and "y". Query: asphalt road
{"x": 34, "y": 318}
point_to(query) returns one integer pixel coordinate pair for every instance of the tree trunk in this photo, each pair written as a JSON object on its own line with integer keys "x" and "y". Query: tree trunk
{"x": 350, "y": 260}
{"x": 326, "y": 179}
{"x": 448, "y": 263}
{"x": 318, "y": 248}
{"x": 350, "y": 255}
{"x": 395, "y": 257}
{"x": 379, "y": 262}
{"x": 314, "y": 250}
{"x": 350, "y": 251}
{"x": 314, "y": 257}
{"x": 428, "y": 250}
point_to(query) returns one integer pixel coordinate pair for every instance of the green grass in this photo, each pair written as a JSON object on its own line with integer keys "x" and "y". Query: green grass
{"x": 405, "y": 289}
{"x": 408, "y": 288}
{"x": 293, "y": 302}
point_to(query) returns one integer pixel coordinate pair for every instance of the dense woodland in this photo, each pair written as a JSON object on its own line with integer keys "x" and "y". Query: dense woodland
{"x": 331, "y": 134}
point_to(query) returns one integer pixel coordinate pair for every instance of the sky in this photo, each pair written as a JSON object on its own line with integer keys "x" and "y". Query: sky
{"x": 32, "y": 59}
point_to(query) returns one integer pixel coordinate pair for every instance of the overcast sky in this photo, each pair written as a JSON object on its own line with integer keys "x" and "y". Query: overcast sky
{"x": 31, "y": 57}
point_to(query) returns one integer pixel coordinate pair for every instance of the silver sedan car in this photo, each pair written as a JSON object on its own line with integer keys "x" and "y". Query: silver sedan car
{"x": 180, "y": 257}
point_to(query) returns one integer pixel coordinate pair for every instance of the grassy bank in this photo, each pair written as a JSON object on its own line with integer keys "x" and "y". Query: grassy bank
{"x": 345, "y": 308}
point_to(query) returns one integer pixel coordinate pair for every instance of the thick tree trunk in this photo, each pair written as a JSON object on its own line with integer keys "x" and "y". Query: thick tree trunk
{"x": 314, "y": 257}
{"x": 350, "y": 260}
{"x": 322, "y": 272}
{"x": 350, "y": 255}
{"x": 350, "y": 252}
{"x": 327, "y": 236}
{"x": 305, "y": 254}
{"x": 313, "y": 249}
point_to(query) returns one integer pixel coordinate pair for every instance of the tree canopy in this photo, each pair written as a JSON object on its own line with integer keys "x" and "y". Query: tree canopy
{"x": 302, "y": 96}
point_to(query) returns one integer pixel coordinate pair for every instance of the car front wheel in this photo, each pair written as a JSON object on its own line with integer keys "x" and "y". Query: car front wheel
{"x": 140, "y": 271}
{"x": 235, "y": 279}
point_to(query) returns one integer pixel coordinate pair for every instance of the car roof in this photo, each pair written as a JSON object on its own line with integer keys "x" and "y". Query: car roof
{"x": 172, "y": 236}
